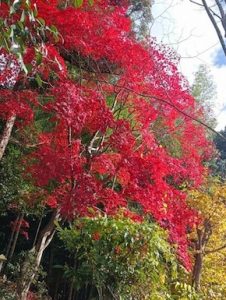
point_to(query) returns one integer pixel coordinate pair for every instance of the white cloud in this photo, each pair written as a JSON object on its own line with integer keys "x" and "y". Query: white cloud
{"x": 186, "y": 27}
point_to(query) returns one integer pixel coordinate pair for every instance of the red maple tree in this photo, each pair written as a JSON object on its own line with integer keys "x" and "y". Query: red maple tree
{"x": 124, "y": 132}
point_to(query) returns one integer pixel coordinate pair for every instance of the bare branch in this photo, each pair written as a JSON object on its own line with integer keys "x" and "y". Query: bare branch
{"x": 199, "y": 4}
{"x": 16, "y": 142}
{"x": 170, "y": 104}
{"x": 220, "y": 8}
{"x": 216, "y": 250}
{"x": 200, "y": 53}
{"x": 215, "y": 25}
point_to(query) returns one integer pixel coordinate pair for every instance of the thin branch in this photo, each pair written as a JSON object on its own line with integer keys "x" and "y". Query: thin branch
{"x": 37, "y": 232}
{"x": 170, "y": 104}
{"x": 16, "y": 142}
{"x": 215, "y": 250}
{"x": 220, "y": 8}
{"x": 200, "y": 53}
{"x": 199, "y": 4}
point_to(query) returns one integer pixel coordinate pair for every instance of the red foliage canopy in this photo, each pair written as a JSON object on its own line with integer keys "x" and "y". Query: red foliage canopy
{"x": 119, "y": 137}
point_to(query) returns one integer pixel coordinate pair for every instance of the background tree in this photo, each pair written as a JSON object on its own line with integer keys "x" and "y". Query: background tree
{"x": 215, "y": 10}
{"x": 220, "y": 165}
{"x": 140, "y": 12}
{"x": 204, "y": 91}
{"x": 209, "y": 243}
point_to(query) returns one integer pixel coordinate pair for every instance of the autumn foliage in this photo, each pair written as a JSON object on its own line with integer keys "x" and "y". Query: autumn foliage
{"x": 123, "y": 133}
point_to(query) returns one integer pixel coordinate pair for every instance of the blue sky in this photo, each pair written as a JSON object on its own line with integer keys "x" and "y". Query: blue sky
{"x": 219, "y": 59}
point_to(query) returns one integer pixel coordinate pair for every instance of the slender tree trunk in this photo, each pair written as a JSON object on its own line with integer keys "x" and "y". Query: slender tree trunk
{"x": 71, "y": 287}
{"x": 74, "y": 295}
{"x": 90, "y": 292}
{"x": 50, "y": 266}
{"x": 197, "y": 270}
{"x": 31, "y": 265}
{"x": 104, "y": 294}
{"x": 6, "y": 134}
{"x": 37, "y": 231}
{"x": 100, "y": 293}
{"x": 12, "y": 241}
{"x": 203, "y": 236}
{"x": 17, "y": 231}
{"x": 70, "y": 293}
{"x": 12, "y": 236}
{"x": 56, "y": 287}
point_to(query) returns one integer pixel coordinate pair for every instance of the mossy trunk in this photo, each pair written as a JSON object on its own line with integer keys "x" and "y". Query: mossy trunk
{"x": 6, "y": 134}
{"x": 32, "y": 262}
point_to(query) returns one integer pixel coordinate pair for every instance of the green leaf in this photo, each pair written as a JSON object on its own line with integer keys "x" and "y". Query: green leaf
{"x": 21, "y": 25}
{"x": 41, "y": 21}
{"x": 24, "y": 68}
{"x": 78, "y": 3}
{"x": 57, "y": 224}
{"x": 38, "y": 80}
{"x": 29, "y": 67}
{"x": 54, "y": 29}
{"x": 35, "y": 10}
{"x": 38, "y": 57}
{"x": 22, "y": 18}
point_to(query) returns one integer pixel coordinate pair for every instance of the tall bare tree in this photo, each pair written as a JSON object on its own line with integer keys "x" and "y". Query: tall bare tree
{"x": 216, "y": 11}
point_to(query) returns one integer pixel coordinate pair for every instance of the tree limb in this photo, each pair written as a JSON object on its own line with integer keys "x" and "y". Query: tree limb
{"x": 220, "y": 37}
{"x": 220, "y": 8}
{"x": 215, "y": 250}
{"x": 199, "y": 4}
{"x": 6, "y": 134}
{"x": 170, "y": 104}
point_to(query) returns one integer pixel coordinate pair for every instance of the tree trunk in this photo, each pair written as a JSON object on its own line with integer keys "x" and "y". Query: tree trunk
{"x": 32, "y": 262}
{"x": 37, "y": 231}
{"x": 197, "y": 270}
{"x": 104, "y": 293}
{"x": 6, "y": 134}
{"x": 70, "y": 293}
{"x": 12, "y": 235}
{"x": 202, "y": 240}
{"x": 18, "y": 226}
{"x": 10, "y": 242}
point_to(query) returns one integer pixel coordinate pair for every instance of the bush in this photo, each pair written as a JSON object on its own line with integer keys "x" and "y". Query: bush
{"x": 120, "y": 257}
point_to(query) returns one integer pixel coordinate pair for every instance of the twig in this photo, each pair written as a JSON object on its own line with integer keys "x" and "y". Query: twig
{"x": 216, "y": 250}
{"x": 170, "y": 104}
